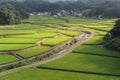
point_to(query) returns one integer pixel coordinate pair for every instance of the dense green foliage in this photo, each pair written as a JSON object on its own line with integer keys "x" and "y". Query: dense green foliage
{"x": 107, "y": 9}
{"x": 10, "y": 14}
{"x": 90, "y": 8}
{"x": 112, "y": 39}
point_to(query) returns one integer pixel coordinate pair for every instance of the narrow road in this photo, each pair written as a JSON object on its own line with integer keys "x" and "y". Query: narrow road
{"x": 66, "y": 51}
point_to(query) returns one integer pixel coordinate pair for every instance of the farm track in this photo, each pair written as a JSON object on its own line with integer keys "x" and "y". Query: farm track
{"x": 58, "y": 55}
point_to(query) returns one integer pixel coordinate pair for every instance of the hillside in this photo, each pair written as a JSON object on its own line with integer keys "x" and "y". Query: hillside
{"x": 84, "y": 1}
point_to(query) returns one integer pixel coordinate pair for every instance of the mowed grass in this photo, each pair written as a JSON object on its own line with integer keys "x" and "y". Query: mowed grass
{"x": 35, "y": 51}
{"x": 9, "y": 47}
{"x": 7, "y": 59}
{"x": 55, "y": 41}
{"x": 95, "y": 40}
{"x": 17, "y": 40}
{"x": 98, "y": 50}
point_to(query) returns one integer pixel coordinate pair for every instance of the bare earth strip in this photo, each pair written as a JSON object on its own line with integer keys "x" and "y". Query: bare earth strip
{"x": 82, "y": 38}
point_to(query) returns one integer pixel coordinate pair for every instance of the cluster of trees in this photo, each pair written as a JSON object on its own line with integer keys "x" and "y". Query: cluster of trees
{"x": 13, "y": 11}
{"x": 48, "y": 5}
{"x": 89, "y": 8}
{"x": 11, "y": 14}
{"x": 112, "y": 39}
{"x": 109, "y": 9}
{"x": 42, "y": 6}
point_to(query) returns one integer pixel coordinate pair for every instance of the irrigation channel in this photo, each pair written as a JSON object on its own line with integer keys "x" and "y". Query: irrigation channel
{"x": 51, "y": 55}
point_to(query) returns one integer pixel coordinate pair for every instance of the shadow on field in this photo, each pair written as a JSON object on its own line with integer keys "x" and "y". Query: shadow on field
{"x": 96, "y": 54}
{"x": 75, "y": 71}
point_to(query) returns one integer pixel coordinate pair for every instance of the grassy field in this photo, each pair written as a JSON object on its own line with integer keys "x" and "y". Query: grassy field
{"x": 90, "y": 61}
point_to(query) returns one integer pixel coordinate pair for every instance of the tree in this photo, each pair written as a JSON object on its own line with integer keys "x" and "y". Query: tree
{"x": 115, "y": 32}
{"x": 112, "y": 39}
{"x": 110, "y": 9}
{"x": 11, "y": 14}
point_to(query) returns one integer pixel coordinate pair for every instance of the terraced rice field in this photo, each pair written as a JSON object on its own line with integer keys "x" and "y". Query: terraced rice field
{"x": 89, "y": 61}
{"x": 28, "y": 40}
{"x": 56, "y": 41}
{"x": 35, "y": 36}
{"x": 95, "y": 40}
{"x": 35, "y": 51}
{"x": 10, "y": 47}
{"x": 7, "y": 59}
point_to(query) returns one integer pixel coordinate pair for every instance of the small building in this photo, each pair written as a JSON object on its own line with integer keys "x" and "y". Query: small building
{"x": 100, "y": 16}
{"x": 31, "y": 14}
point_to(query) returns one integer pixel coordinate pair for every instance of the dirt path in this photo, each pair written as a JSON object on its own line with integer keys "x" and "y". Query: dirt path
{"x": 82, "y": 38}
